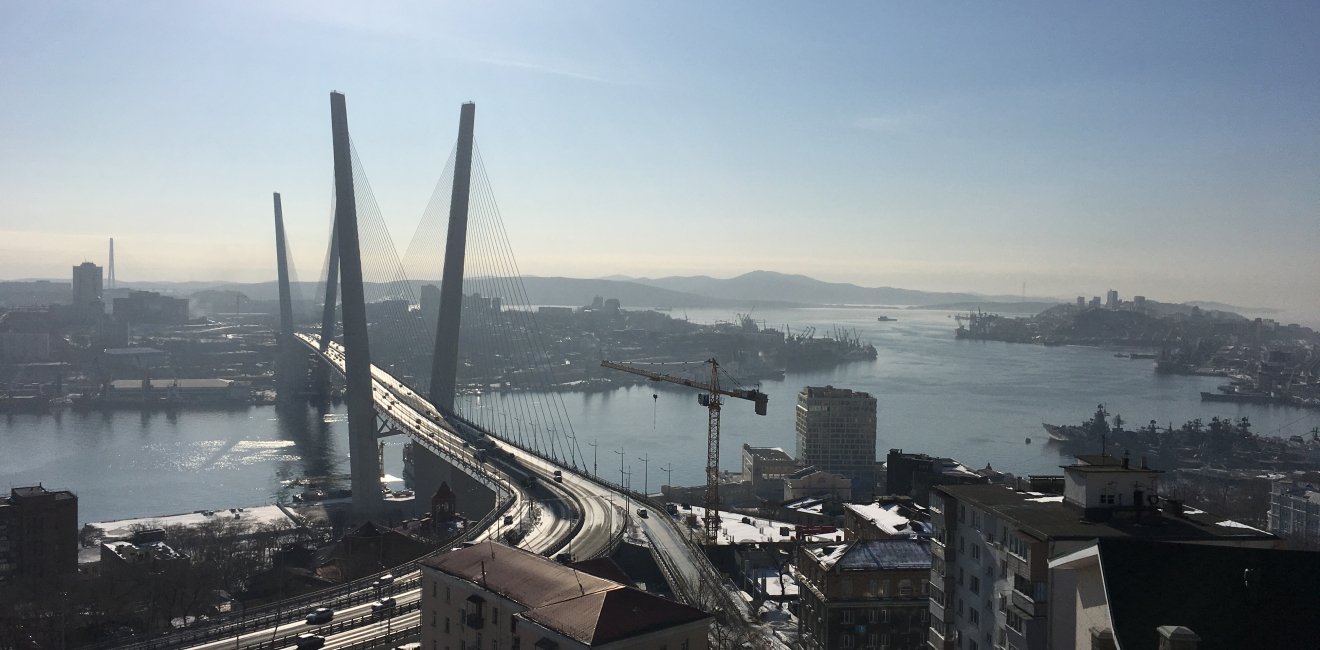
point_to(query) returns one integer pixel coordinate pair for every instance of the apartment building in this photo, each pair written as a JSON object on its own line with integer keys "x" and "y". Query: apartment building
{"x": 1295, "y": 512}
{"x": 38, "y": 535}
{"x": 836, "y": 433}
{"x": 992, "y": 546}
{"x": 863, "y": 594}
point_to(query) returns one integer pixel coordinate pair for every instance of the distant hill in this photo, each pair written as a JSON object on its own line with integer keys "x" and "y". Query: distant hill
{"x": 769, "y": 285}
{"x": 1019, "y": 307}
{"x": 542, "y": 291}
{"x": 757, "y": 288}
{"x": 1219, "y": 306}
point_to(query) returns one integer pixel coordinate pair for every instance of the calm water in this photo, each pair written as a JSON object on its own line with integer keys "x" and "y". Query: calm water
{"x": 974, "y": 401}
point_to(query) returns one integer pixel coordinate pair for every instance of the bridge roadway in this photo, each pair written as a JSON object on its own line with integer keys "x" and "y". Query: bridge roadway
{"x": 581, "y": 516}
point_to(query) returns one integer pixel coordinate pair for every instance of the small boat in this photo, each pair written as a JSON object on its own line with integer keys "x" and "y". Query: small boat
{"x": 885, "y": 319}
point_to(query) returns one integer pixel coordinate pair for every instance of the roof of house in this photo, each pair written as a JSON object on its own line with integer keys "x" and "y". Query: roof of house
{"x": 606, "y": 616}
{"x": 574, "y": 603}
{"x": 1233, "y": 597}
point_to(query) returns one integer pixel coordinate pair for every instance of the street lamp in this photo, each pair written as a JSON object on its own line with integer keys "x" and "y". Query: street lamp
{"x": 646, "y": 477}
{"x": 619, "y": 451}
{"x": 593, "y": 459}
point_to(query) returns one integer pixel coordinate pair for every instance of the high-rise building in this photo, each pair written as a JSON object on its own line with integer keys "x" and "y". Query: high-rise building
{"x": 1111, "y": 299}
{"x": 87, "y": 300}
{"x": 993, "y": 546}
{"x": 836, "y": 433}
{"x": 1295, "y": 512}
{"x": 38, "y": 535}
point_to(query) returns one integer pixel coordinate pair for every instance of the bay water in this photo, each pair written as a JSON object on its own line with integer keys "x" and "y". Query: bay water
{"x": 975, "y": 401}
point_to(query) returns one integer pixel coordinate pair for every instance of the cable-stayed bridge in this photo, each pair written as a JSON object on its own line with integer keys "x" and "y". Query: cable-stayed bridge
{"x": 417, "y": 363}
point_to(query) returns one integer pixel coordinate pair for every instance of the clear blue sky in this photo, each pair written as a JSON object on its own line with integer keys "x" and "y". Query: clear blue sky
{"x": 1164, "y": 148}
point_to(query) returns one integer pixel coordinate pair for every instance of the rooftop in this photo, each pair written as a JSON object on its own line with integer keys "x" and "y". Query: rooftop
{"x": 889, "y": 518}
{"x": 579, "y": 605}
{"x": 1045, "y": 517}
{"x": 38, "y": 491}
{"x": 1232, "y": 597}
{"x": 768, "y": 453}
{"x": 875, "y": 554}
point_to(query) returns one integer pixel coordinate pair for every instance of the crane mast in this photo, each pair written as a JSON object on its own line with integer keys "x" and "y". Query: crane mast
{"x": 710, "y": 399}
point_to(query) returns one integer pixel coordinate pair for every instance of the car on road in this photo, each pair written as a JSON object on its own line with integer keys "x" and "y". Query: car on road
{"x": 641, "y": 512}
{"x": 321, "y": 615}
{"x": 387, "y": 579}
{"x": 559, "y": 476}
{"x": 309, "y": 642}
{"x": 383, "y": 605}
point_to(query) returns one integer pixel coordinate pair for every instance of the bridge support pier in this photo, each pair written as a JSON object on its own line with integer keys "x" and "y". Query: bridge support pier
{"x": 424, "y": 471}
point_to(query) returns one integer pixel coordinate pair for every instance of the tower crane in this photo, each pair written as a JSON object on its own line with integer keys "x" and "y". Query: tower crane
{"x": 711, "y": 400}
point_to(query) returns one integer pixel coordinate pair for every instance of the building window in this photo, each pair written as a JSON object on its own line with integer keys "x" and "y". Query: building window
{"x": 446, "y": 593}
{"x": 446, "y": 625}
{"x": 494, "y": 616}
{"x": 847, "y": 616}
{"x": 433, "y": 618}
{"x": 976, "y": 551}
{"x": 974, "y": 615}
{"x": 847, "y": 641}
{"x": 975, "y": 585}
{"x": 433, "y": 590}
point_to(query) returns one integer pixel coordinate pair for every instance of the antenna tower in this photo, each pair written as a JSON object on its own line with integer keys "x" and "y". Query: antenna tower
{"x": 110, "y": 281}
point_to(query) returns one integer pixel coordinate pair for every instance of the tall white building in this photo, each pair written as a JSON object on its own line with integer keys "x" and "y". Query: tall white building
{"x": 836, "y": 433}
{"x": 991, "y": 577}
{"x": 1295, "y": 512}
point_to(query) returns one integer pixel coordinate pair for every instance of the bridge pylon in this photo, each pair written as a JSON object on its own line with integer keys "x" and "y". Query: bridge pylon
{"x": 423, "y": 467}
{"x": 363, "y": 461}
{"x": 290, "y": 369}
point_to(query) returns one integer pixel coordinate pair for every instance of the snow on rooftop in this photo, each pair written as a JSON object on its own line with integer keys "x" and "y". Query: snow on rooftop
{"x": 123, "y": 528}
{"x": 733, "y": 530}
{"x": 885, "y": 517}
{"x": 1229, "y": 523}
{"x": 1047, "y": 499}
{"x": 828, "y": 555}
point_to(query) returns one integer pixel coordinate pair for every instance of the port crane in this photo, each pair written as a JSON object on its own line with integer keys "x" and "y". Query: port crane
{"x": 710, "y": 399}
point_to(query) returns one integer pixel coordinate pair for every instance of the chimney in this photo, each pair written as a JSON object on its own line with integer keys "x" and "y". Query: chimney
{"x": 1177, "y": 637}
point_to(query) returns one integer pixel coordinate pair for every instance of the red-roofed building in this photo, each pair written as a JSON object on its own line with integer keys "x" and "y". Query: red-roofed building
{"x": 495, "y": 596}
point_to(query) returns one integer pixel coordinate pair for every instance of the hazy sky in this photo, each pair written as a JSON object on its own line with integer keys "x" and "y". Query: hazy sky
{"x": 1164, "y": 148}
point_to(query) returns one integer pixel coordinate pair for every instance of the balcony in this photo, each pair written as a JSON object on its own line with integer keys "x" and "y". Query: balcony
{"x": 1032, "y": 598}
{"x": 475, "y": 621}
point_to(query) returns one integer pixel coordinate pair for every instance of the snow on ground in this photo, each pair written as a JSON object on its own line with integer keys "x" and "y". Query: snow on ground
{"x": 268, "y": 515}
